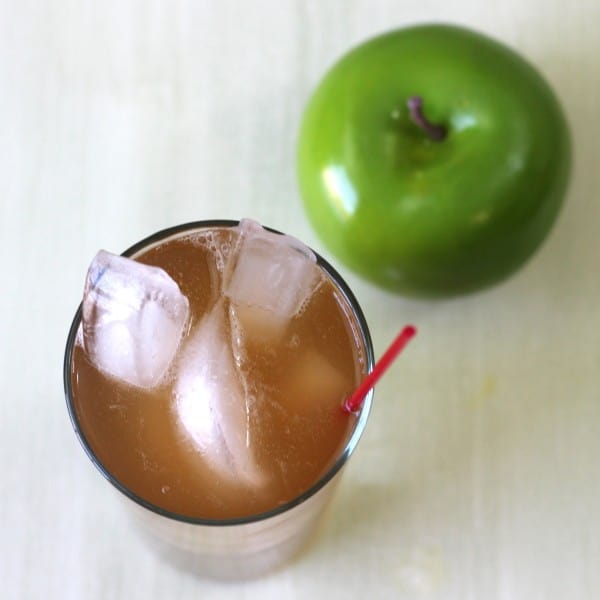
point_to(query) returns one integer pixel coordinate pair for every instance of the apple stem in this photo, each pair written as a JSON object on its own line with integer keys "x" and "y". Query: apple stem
{"x": 415, "y": 108}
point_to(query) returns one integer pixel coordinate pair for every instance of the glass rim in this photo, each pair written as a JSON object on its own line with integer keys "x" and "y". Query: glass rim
{"x": 254, "y": 518}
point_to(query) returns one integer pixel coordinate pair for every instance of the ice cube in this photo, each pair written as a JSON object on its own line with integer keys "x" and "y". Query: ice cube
{"x": 211, "y": 403}
{"x": 314, "y": 384}
{"x": 269, "y": 278}
{"x": 133, "y": 319}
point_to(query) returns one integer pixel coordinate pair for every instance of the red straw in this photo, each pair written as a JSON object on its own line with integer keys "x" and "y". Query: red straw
{"x": 355, "y": 401}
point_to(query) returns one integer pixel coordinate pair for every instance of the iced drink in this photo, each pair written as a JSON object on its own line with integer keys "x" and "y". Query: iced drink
{"x": 205, "y": 380}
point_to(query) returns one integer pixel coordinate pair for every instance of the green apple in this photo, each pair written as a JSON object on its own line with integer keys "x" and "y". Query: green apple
{"x": 433, "y": 160}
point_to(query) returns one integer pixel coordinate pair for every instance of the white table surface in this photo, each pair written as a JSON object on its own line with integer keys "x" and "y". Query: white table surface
{"x": 478, "y": 475}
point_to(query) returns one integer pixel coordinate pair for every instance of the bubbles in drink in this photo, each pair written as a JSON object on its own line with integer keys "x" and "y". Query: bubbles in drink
{"x": 133, "y": 318}
{"x": 269, "y": 277}
{"x": 210, "y": 401}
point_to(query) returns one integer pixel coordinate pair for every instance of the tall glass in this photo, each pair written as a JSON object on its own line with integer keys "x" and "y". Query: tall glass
{"x": 242, "y": 547}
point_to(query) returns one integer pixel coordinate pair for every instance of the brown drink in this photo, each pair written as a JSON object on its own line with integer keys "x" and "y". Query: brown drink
{"x": 245, "y": 422}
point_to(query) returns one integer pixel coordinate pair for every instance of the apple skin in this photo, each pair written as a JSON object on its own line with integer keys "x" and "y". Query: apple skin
{"x": 424, "y": 217}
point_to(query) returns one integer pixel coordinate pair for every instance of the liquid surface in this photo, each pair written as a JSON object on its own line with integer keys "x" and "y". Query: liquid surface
{"x": 293, "y": 389}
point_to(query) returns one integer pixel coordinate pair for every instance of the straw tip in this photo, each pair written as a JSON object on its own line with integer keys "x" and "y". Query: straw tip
{"x": 410, "y": 331}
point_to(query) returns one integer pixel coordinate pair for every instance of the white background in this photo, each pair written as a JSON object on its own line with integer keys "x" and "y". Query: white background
{"x": 478, "y": 476}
